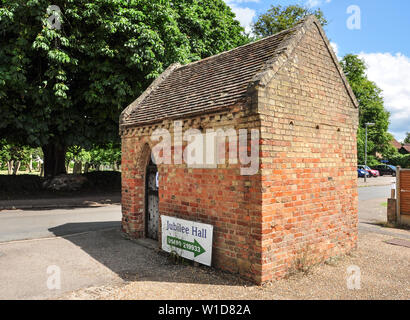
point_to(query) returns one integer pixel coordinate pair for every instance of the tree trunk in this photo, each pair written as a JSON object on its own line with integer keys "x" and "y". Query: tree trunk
{"x": 54, "y": 160}
{"x": 10, "y": 167}
{"x": 78, "y": 166}
{"x": 16, "y": 167}
{"x": 30, "y": 165}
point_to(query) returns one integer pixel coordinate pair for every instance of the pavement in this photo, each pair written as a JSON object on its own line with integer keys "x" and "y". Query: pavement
{"x": 29, "y": 269}
{"x": 84, "y": 245}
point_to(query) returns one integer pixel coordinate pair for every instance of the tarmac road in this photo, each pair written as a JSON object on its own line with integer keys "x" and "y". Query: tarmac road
{"x": 372, "y": 203}
{"x": 33, "y": 224}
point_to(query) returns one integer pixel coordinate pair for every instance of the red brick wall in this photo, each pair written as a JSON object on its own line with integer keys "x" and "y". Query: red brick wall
{"x": 309, "y": 176}
{"x": 304, "y": 198}
{"x": 218, "y": 196}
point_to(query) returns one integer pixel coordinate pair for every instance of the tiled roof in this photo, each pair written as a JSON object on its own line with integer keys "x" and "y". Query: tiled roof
{"x": 213, "y": 83}
{"x": 407, "y": 147}
{"x": 396, "y": 144}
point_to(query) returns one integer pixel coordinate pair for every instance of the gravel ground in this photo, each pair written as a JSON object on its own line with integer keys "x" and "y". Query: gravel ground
{"x": 385, "y": 274}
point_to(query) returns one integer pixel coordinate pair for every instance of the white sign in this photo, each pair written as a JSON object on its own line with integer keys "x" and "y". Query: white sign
{"x": 189, "y": 239}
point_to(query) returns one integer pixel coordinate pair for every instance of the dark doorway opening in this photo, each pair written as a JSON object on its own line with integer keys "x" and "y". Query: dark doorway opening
{"x": 151, "y": 201}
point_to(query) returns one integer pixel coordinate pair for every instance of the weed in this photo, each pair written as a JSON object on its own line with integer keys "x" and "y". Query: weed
{"x": 175, "y": 258}
{"x": 303, "y": 263}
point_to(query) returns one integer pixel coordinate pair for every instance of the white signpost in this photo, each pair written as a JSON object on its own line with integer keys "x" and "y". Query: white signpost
{"x": 189, "y": 239}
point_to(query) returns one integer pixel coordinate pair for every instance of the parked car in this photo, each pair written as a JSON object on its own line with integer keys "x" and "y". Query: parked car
{"x": 372, "y": 173}
{"x": 386, "y": 170}
{"x": 362, "y": 173}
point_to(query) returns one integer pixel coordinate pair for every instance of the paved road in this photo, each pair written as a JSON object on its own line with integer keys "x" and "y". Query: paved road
{"x": 21, "y": 224}
{"x": 372, "y": 204}
{"x": 375, "y": 192}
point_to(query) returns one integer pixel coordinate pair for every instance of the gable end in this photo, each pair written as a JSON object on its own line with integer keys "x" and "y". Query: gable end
{"x": 272, "y": 66}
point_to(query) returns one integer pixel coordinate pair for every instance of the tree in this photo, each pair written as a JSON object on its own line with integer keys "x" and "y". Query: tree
{"x": 65, "y": 84}
{"x": 14, "y": 155}
{"x": 407, "y": 139}
{"x": 108, "y": 155}
{"x": 79, "y": 156}
{"x": 279, "y": 18}
{"x": 371, "y": 109}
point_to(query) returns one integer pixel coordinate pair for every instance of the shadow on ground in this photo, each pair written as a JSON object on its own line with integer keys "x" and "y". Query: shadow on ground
{"x": 139, "y": 260}
{"x": 68, "y": 229}
{"x": 379, "y": 228}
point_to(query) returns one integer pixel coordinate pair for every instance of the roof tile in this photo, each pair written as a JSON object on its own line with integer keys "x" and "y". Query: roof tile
{"x": 208, "y": 84}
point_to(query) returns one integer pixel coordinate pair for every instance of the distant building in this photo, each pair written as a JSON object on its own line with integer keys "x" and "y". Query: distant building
{"x": 405, "y": 149}
{"x": 396, "y": 144}
{"x": 402, "y": 148}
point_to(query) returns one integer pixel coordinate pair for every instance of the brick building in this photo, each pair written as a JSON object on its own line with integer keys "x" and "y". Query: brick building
{"x": 405, "y": 149}
{"x": 402, "y": 148}
{"x": 302, "y": 201}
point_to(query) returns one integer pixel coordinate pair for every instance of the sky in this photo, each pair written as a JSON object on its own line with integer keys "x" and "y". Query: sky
{"x": 377, "y": 30}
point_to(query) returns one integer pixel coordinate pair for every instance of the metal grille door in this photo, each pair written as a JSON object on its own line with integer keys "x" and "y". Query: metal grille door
{"x": 152, "y": 215}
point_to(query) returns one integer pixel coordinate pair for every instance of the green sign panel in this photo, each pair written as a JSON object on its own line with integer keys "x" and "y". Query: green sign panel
{"x": 194, "y": 247}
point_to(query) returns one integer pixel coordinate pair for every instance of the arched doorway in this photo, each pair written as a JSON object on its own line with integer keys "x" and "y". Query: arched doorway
{"x": 151, "y": 201}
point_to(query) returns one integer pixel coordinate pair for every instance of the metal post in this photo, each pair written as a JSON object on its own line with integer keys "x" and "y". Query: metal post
{"x": 398, "y": 195}
{"x": 365, "y": 149}
{"x": 365, "y": 157}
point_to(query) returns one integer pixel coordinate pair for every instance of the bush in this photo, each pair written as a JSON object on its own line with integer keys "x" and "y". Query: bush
{"x": 104, "y": 180}
{"x": 401, "y": 160}
{"x": 11, "y": 185}
{"x": 31, "y": 186}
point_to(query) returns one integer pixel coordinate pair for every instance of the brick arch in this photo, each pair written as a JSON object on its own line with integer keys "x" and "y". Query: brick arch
{"x": 144, "y": 155}
{"x": 136, "y": 157}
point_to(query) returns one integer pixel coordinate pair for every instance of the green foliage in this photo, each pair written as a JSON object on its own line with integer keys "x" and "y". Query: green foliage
{"x": 76, "y": 153}
{"x": 14, "y": 152}
{"x": 371, "y": 110}
{"x": 108, "y": 154}
{"x": 400, "y": 160}
{"x": 279, "y": 18}
{"x": 68, "y": 86}
{"x": 407, "y": 139}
